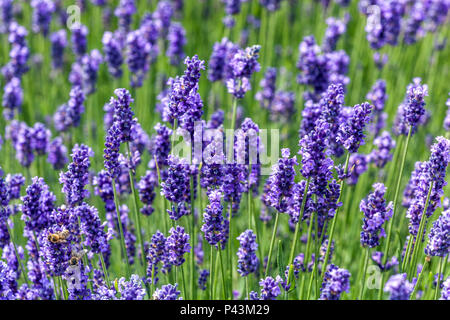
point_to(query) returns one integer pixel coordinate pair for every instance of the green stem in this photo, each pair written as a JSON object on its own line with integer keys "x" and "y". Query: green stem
{"x": 137, "y": 216}
{"x": 211, "y": 263}
{"x": 391, "y": 221}
{"x": 419, "y": 279}
{"x": 223, "y": 274}
{"x": 119, "y": 222}
{"x": 333, "y": 224}
{"x": 438, "y": 284}
{"x": 363, "y": 283}
{"x": 105, "y": 270}
{"x": 17, "y": 255}
{"x": 272, "y": 241}
{"x": 297, "y": 228}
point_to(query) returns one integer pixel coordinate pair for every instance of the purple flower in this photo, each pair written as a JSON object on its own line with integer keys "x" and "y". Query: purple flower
{"x": 248, "y": 262}
{"x": 138, "y": 50}
{"x": 267, "y": 84}
{"x": 123, "y": 115}
{"x": 177, "y": 245}
{"x": 77, "y": 175}
{"x": 8, "y": 285}
{"x": 413, "y": 29}
{"x": 146, "y": 187}
{"x": 377, "y": 257}
{"x": 335, "y": 282}
{"x": 336, "y": 28}
{"x": 90, "y": 64}
{"x": 270, "y": 289}
{"x": 357, "y": 164}
{"x": 156, "y": 253}
{"x": 445, "y": 292}
{"x": 57, "y": 154}
{"x": 376, "y": 213}
{"x": 271, "y": 5}
{"x": 111, "y": 151}
{"x": 38, "y": 204}
{"x": 132, "y": 289}
{"x": 23, "y": 145}
{"x": 447, "y": 115}
{"x": 282, "y": 181}
{"x": 218, "y": 68}
{"x": 351, "y": 133}
{"x": 92, "y": 228}
{"x": 214, "y": 225}
{"x": 382, "y": 154}
{"x": 103, "y": 188}
{"x": 124, "y": 12}
{"x": 233, "y": 184}
{"x": 176, "y": 185}
{"x": 203, "y": 279}
{"x": 42, "y": 15}
{"x": 40, "y": 138}
{"x": 415, "y": 105}
{"x": 12, "y": 98}
{"x": 58, "y": 40}
{"x": 69, "y": 114}
{"x": 6, "y": 14}
{"x": 112, "y": 48}
{"x": 439, "y": 236}
{"x": 79, "y": 40}
{"x": 177, "y": 41}
{"x": 283, "y": 107}
{"x": 431, "y": 174}
{"x": 15, "y": 183}
{"x": 163, "y": 14}
{"x": 167, "y": 292}
{"x": 160, "y": 148}
{"x": 55, "y": 254}
{"x": 380, "y": 59}
{"x": 243, "y": 64}
{"x": 377, "y": 95}
{"x": 399, "y": 287}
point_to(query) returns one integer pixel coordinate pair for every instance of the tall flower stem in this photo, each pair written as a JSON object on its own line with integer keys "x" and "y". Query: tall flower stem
{"x": 137, "y": 216}
{"x": 333, "y": 224}
{"x": 223, "y": 274}
{"x": 308, "y": 248}
{"x": 211, "y": 281}
{"x": 363, "y": 282}
{"x": 438, "y": 284}
{"x": 194, "y": 237}
{"x": 297, "y": 228}
{"x": 419, "y": 279}
{"x": 119, "y": 222}
{"x": 105, "y": 270}
{"x": 394, "y": 210}
{"x": 17, "y": 254}
{"x": 183, "y": 280}
{"x": 418, "y": 242}
{"x": 272, "y": 241}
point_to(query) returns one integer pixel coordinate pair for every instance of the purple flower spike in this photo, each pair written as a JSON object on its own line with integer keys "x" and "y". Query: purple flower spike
{"x": 376, "y": 213}
{"x": 177, "y": 245}
{"x": 77, "y": 176}
{"x": 335, "y": 282}
{"x": 248, "y": 262}
{"x": 351, "y": 133}
{"x": 399, "y": 287}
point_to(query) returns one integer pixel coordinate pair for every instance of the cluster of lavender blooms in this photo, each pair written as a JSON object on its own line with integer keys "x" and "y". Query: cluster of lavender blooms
{"x": 234, "y": 66}
{"x": 398, "y": 287}
{"x": 376, "y": 213}
{"x": 428, "y": 179}
{"x": 14, "y": 70}
{"x": 279, "y": 103}
{"x": 319, "y": 69}
{"x": 248, "y": 262}
{"x": 336, "y": 281}
{"x": 387, "y": 20}
{"x": 270, "y": 289}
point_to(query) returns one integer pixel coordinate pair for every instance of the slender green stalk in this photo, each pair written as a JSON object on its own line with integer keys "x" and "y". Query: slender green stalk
{"x": 419, "y": 279}
{"x": 184, "y": 282}
{"x": 223, "y": 275}
{"x": 394, "y": 211}
{"x": 297, "y": 228}
{"x": 438, "y": 285}
{"x": 137, "y": 215}
{"x": 363, "y": 282}
{"x": 211, "y": 281}
{"x": 272, "y": 241}
{"x": 122, "y": 238}
{"x": 333, "y": 224}
{"x": 418, "y": 242}
{"x": 17, "y": 254}
{"x": 105, "y": 270}
{"x": 308, "y": 246}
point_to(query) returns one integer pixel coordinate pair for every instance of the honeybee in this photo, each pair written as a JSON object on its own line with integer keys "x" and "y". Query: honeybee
{"x": 76, "y": 257}
{"x": 58, "y": 237}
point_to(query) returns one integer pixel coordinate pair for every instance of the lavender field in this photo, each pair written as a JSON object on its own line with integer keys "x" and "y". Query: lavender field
{"x": 224, "y": 150}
